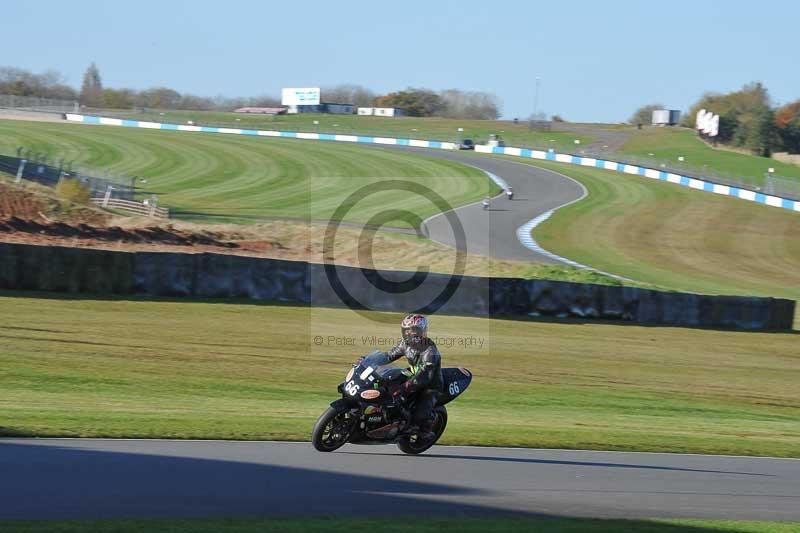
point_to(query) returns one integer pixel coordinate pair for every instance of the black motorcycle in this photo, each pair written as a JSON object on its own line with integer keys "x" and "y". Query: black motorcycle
{"x": 367, "y": 413}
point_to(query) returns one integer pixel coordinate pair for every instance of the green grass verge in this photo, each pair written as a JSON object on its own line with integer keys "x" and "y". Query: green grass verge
{"x": 675, "y": 237}
{"x": 668, "y": 144}
{"x": 442, "y": 129}
{"x": 401, "y": 524}
{"x": 401, "y": 251}
{"x": 182, "y": 369}
{"x": 227, "y": 178}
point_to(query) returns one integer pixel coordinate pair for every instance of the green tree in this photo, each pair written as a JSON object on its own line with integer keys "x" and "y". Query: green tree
{"x": 787, "y": 122}
{"x": 745, "y": 117}
{"x": 119, "y": 98}
{"x": 644, "y": 115}
{"x": 159, "y": 98}
{"x": 92, "y": 88}
{"x": 762, "y": 135}
{"x": 416, "y": 102}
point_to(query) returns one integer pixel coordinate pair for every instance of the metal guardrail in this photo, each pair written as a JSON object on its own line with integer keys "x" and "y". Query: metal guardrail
{"x": 767, "y": 184}
{"x": 34, "y": 167}
{"x": 34, "y": 103}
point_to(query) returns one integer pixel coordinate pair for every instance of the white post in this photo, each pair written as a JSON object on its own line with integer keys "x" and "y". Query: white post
{"x": 107, "y": 196}
{"x": 20, "y": 170}
{"x": 153, "y": 203}
{"x": 770, "y": 185}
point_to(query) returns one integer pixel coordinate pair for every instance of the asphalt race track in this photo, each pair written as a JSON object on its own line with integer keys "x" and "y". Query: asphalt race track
{"x": 96, "y": 478}
{"x": 493, "y": 233}
{"x": 88, "y": 478}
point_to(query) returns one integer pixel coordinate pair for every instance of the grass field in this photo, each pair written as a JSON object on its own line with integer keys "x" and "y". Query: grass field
{"x": 399, "y": 251}
{"x": 675, "y": 237}
{"x": 117, "y": 368}
{"x": 223, "y": 178}
{"x": 401, "y": 524}
{"x": 667, "y": 144}
{"x": 442, "y": 129}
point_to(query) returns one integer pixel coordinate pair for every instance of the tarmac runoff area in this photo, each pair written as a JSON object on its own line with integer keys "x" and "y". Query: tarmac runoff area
{"x": 96, "y": 478}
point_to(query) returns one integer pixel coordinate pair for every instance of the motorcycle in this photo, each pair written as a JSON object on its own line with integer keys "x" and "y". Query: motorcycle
{"x": 367, "y": 412}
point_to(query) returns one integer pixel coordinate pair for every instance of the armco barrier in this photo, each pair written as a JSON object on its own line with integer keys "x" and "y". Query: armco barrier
{"x": 670, "y": 177}
{"x": 369, "y": 139}
{"x": 80, "y": 270}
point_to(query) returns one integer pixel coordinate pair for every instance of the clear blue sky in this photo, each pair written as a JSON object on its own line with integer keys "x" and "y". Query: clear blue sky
{"x": 598, "y": 60}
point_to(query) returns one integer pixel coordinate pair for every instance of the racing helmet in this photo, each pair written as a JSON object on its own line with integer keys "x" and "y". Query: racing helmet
{"x": 414, "y": 328}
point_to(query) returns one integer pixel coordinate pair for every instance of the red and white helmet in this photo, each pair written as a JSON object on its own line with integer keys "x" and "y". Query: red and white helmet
{"x": 414, "y": 328}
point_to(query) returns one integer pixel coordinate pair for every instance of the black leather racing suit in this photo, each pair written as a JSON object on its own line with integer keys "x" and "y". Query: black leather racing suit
{"x": 426, "y": 364}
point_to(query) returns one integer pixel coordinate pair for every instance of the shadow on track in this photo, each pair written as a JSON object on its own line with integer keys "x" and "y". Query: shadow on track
{"x": 570, "y": 463}
{"x": 54, "y": 482}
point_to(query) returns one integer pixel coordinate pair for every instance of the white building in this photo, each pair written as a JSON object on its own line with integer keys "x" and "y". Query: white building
{"x": 332, "y": 108}
{"x": 389, "y": 112}
{"x": 381, "y": 111}
{"x": 666, "y": 117}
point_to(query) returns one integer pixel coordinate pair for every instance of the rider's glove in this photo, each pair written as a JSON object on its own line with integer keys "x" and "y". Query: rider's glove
{"x": 358, "y": 361}
{"x": 398, "y": 396}
{"x": 403, "y": 391}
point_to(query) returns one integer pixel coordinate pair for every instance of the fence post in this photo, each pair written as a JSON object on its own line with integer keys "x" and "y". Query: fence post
{"x": 108, "y": 195}
{"x": 153, "y": 204}
{"x": 20, "y": 170}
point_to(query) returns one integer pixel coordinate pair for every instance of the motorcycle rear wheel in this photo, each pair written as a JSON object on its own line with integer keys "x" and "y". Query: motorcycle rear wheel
{"x": 408, "y": 443}
{"x": 331, "y": 430}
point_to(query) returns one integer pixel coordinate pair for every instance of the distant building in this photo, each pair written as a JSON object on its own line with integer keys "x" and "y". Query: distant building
{"x": 322, "y": 107}
{"x": 261, "y": 110}
{"x": 666, "y": 117}
{"x": 381, "y": 111}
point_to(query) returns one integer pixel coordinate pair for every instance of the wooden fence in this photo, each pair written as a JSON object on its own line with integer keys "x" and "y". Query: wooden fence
{"x": 133, "y": 207}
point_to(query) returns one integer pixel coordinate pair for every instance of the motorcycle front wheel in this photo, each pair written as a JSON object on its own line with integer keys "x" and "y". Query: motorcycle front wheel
{"x": 331, "y": 430}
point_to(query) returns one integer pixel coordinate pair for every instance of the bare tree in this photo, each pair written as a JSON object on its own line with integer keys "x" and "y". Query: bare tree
{"x": 469, "y": 105}
{"x": 348, "y": 93}
{"x": 644, "y": 115}
{"x": 92, "y": 88}
{"x": 49, "y": 84}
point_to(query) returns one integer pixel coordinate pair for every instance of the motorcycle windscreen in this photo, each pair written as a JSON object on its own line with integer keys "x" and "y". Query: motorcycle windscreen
{"x": 455, "y": 382}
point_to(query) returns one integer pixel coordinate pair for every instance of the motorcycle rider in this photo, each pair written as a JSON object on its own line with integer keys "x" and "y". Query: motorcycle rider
{"x": 425, "y": 363}
{"x": 510, "y": 192}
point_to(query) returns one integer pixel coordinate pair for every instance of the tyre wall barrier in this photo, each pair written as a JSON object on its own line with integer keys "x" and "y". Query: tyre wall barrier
{"x": 81, "y": 270}
{"x": 669, "y": 177}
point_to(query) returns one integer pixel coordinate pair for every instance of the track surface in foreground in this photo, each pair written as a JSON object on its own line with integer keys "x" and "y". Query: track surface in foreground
{"x": 87, "y": 478}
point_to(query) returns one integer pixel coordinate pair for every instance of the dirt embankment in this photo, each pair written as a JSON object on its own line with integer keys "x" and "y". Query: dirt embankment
{"x": 34, "y": 202}
{"x": 35, "y": 215}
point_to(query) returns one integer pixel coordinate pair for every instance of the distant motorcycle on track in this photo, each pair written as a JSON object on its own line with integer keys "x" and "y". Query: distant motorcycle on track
{"x": 368, "y": 414}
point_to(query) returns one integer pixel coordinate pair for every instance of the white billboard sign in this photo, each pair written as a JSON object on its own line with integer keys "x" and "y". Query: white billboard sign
{"x": 698, "y": 123}
{"x": 300, "y": 96}
{"x": 707, "y": 119}
{"x": 714, "y": 127}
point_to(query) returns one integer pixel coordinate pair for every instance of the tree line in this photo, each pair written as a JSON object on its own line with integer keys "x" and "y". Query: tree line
{"x": 422, "y": 102}
{"x": 747, "y": 119}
